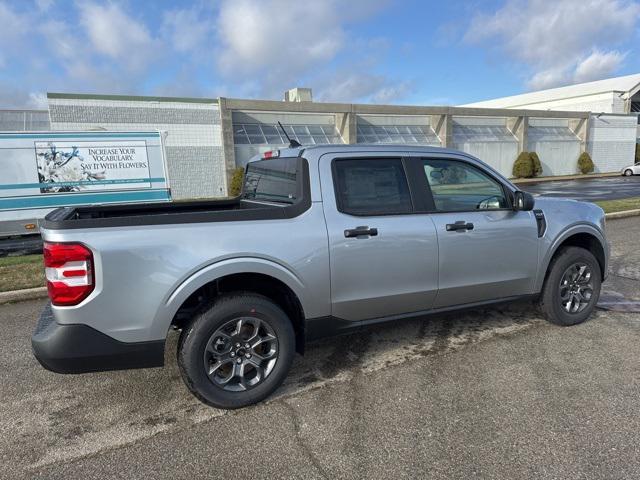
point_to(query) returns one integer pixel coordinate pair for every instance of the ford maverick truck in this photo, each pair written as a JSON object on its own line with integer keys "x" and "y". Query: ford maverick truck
{"x": 323, "y": 240}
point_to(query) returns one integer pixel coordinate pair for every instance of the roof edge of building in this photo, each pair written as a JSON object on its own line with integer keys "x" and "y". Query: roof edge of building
{"x": 253, "y": 105}
{"x": 626, "y": 84}
{"x": 143, "y": 98}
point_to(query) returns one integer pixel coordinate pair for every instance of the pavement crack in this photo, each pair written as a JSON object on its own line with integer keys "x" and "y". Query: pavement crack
{"x": 624, "y": 276}
{"x": 297, "y": 425}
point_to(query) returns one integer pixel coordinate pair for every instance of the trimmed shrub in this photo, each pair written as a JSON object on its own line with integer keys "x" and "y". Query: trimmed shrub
{"x": 637, "y": 153}
{"x": 237, "y": 179}
{"x": 523, "y": 166}
{"x": 585, "y": 164}
{"x": 537, "y": 166}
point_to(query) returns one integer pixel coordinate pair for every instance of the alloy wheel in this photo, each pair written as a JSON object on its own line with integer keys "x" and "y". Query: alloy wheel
{"x": 576, "y": 288}
{"x": 241, "y": 354}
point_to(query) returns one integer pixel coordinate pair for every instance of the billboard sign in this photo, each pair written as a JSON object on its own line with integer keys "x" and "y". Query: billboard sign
{"x": 84, "y": 166}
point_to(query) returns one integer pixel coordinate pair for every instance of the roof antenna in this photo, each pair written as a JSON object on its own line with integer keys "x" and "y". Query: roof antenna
{"x": 292, "y": 143}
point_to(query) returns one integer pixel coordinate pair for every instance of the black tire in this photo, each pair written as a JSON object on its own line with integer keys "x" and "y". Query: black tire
{"x": 551, "y": 303}
{"x": 197, "y": 335}
{"x": 628, "y": 172}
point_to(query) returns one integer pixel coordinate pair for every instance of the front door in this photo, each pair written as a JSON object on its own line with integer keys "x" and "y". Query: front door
{"x": 383, "y": 257}
{"x": 487, "y": 250}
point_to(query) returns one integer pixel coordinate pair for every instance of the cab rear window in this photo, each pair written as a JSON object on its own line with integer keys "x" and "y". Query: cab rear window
{"x": 273, "y": 180}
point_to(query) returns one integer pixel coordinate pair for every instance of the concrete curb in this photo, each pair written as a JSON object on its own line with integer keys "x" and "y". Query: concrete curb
{"x": 22, "y": 295}
{"x": 41, "y": 292}
{"x": 623, "y": 214}
{"x": 563, "y": 178}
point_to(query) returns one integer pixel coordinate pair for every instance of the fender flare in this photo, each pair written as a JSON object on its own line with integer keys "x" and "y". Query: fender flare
{"x": 214, "y": 271}
{"x": 564, "y": 235}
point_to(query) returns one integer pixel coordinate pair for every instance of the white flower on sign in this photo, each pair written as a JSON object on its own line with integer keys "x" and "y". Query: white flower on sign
{"x": 60, "y": 167}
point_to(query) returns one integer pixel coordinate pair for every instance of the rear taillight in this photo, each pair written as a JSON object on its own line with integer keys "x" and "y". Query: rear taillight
{"x": 69, "y": 271}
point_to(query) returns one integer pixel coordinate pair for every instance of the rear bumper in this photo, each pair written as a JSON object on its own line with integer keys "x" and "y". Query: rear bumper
{"x": 79, "y": 348}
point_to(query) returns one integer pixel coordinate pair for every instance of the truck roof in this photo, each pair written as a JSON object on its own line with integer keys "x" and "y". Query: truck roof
{"x": 357, "y": 147}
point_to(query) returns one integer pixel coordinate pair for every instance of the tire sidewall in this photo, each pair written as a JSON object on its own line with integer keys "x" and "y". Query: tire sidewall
{"x": 192, "y": 349}
{"x": 628, "y": 173}
{"x": 551, "y": 295}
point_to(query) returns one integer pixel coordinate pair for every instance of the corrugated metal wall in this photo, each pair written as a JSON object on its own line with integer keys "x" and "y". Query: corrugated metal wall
{"x": 489, "y": 139}
{"x": 611, "y": 141}
{"x": 24, "y": 120}
{"x": 257, "y": 141}
{"x": 556, "y": 145}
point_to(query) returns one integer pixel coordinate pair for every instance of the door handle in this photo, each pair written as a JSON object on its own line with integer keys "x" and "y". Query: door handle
{"x": 459, "y": 225}
{"x": 361, "y": 231}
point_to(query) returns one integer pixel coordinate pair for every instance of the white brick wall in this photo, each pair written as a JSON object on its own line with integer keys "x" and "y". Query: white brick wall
{"x": 195, "y": 160}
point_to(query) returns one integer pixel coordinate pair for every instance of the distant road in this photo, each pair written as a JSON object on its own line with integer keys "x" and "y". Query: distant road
{"x": 609, "y": 188}
{"x": 20, "y": 246}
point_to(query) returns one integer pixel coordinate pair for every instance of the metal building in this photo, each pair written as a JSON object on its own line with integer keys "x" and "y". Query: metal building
{"x": 206, "y": 139}
{"x": 612, "y": 95}
{"x": 496, "y": 136}
{"x": 24, "y": 120}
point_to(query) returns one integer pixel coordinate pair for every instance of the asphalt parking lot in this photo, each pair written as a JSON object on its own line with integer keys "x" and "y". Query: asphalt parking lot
{"x": 492, "y": 393}
{"x": 608, "y": 188}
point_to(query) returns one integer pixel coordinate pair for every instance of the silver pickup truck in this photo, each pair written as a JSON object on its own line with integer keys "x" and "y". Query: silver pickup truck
{"x": 323, "y": 240}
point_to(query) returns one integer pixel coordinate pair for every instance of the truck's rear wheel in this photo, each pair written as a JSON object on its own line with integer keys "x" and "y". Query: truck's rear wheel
{"x": 237, "y": 351}
{"x": 572, "y": 287}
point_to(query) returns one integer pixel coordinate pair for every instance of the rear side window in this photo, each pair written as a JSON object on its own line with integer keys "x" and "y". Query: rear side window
{"x": 371, "y": 187}
{"x": 273, "y": 180}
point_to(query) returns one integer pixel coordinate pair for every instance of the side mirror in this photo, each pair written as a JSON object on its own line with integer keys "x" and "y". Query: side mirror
{"x": 523, "y": 201}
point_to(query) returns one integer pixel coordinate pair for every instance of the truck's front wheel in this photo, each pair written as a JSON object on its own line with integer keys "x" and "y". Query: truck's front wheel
{"x": 237, "y": 351}
{"x": 572, "y": 287}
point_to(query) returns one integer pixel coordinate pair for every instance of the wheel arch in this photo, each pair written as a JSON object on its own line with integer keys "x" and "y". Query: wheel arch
{"x": 255, "y": 275}
{"x": 582, "y": 236}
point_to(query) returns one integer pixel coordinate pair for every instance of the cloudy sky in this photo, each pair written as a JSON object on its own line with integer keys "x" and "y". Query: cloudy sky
{"x": 382, "y": 51}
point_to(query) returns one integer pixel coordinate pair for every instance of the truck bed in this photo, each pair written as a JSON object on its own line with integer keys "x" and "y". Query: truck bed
{"x": 225, "y": 210}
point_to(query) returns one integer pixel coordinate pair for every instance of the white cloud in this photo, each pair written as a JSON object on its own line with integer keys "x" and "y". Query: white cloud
{"x": 12, "y": 96}
{"x": 14, "y": 25}
{"x": 278, "y": 42}
{"x": 44, "y": 5}
{"x": 38, "y": 100}
{"x": 188, "y": 30}
{"x": 256, "y": 34}
{"x": 115, "y": 34}
{"x": 560, "y": 41}
{"x": 598, "y": 65}
{"x": 253, "y": 48}
{"x": 362, "y": 87}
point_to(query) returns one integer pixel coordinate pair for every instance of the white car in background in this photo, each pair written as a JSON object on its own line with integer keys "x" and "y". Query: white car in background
{"x": 631, "y": 170}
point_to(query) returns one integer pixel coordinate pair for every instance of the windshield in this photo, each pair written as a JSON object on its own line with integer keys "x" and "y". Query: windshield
{"x": 273, "y": 180}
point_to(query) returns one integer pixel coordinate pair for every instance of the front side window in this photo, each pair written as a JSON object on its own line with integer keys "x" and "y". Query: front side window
{"x": 372, "y": 187}
{"x": 457, "y": 186}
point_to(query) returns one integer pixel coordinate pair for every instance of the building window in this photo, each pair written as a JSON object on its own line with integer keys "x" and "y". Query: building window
{"x": 463, "y": 133}
{"x": 419, "y": 134}
{"x": 267, "y": 134}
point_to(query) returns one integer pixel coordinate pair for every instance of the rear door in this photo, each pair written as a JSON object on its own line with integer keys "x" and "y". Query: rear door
{"x": 487, "y": 250}
{"x": 384, "y": 257}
